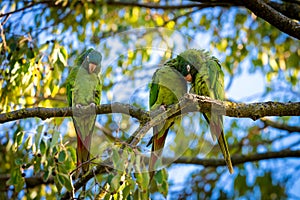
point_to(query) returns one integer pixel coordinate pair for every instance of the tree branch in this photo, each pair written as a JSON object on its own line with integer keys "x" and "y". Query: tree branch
{"x": 189, "y": 103}
{"x": 45, "y": 113}
{"x": 23, "y": 8}
{"x": 236, "y": 159}
{"x": 280, "y": 21}
{"x": 280, "y": 126}
{"x": 34, "y": 181}
{"x": 258, "y": 7}
{"x": 195, "y": 103}
{"x": 31, "y": 182}
{"x": 289, "y": 9}
{"x": 199, "y": 4}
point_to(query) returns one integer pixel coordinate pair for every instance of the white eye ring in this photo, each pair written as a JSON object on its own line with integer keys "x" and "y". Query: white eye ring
{"x": 188, "y": 67}
{"x": 88, "y": 58}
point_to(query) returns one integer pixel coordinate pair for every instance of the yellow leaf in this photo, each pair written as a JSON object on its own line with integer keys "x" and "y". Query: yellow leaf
{"x": 224, "y": 43}
{"x": 159, "y": 21}
{"x": 130, "y": 54}
{"x": 55, "y": 90}
{"x": 264, "y": 58}
{"x": 135, "y": 11}
{"x": 273, "y": 64}
{"x": 89, "y": 12}
{"x": 282, "y": 63}
{"x": 171, "y": 24}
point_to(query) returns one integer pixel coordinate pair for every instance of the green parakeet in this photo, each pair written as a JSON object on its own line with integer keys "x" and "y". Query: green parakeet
{"x": 207, "y": 79}
{"x": 84, "y": 88}
{"x": 167, "y": 87}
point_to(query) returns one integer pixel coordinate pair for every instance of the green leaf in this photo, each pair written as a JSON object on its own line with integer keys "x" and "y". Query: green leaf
{"x": 55, "y": 138}
{"x": 239, "y": 184}
{"x": 38, "y": 135}
{"x": 139, "y": 178}
{"x": 62, "y": 156}
{"x": 164, "y": 189}
{"x": 16, "y": 179}
{"x": 65, "y": 181}
{"x": 72, "y": 153}
{"x": 19, "y": 138}
{"x": 126, "y": 191}
{"x": 43, "y": 147}
{"x": 18, "y": 161}
{"x": 47, "y": 174}
{"x": 62, "y": 168}
{"x": 58, "y": 184}
{"x": 37, "y": 164}
{"x": 28, "y": 142}
{"x": 116, "y": 157}
{"x": 115, "y": 182}
{"x": 145, "y": 180}
{"x": 60, "y": 179}
{"x": 30, "y": 54}
{"x": 159, "y": 177}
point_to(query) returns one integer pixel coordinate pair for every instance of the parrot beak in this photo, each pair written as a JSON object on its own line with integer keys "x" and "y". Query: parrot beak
{"x": 92, "y": 67}
{"x": 188, "y": 78}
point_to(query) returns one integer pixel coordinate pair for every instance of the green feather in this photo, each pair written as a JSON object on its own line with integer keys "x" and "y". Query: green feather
{"x": 207, "y": 80}
{"x": 167, "y": 87}
{"x": 79, "y": 60}
{"x": 84, "y": 88}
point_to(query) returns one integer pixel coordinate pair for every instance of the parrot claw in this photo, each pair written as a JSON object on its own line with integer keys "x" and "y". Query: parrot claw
{"x": 162, "y": 107}
{"x": 78, "y": 106}
{"x": 93, "y": 105}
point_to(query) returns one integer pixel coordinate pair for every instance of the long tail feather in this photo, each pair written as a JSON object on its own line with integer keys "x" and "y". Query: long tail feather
{"x": 216, "y": 130}
{"x": 224, "y": 148}
{"x": 157, "y": 149}
{"x": 83, "y": 153}
{"x": 83, "y": 150}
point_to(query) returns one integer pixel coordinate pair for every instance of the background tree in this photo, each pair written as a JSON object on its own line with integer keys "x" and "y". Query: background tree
{"x": 39, "y": 40}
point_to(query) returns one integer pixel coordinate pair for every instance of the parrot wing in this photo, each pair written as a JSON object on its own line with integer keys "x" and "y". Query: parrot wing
{"x": 166, "y": 88}
{"x": 210, "y": 82}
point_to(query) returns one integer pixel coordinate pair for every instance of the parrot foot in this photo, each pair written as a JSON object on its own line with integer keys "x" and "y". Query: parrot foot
{"x": 93, "y": 105}
{"x": 162, "y": 107}
{"x": 78, "y": 106}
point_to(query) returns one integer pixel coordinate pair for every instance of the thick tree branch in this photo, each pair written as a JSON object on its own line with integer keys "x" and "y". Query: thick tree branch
{"x": 259, "y": 7}
{"x": 266, "y": 12}
{"x": 45, "y": 113}
{"x": 195, "y": 103}
{"x": 289, "y": 9}
{"x": 189, "y": 103}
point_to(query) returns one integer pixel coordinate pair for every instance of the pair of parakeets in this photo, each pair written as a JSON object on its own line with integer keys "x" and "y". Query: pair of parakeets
{"x": 169, "y": 83}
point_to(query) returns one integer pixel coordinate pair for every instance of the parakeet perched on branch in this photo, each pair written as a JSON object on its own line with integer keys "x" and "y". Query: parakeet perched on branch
{"x": 167, "y": 87}
{"x": 84, "y": 88}
{"x": 207, "y": 79}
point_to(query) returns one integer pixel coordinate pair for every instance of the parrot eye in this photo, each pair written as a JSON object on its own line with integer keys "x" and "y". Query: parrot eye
{"x": 188, "y": 68}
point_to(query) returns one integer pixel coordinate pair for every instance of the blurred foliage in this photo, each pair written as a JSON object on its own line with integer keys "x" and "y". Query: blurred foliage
{"x": 39, "y": 41}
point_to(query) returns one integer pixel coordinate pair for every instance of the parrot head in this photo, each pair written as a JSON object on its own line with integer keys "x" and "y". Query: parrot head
{"x": 189, "y": 63}
{"x": 184, "y": 67}
{"x": 90, "y": 60}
